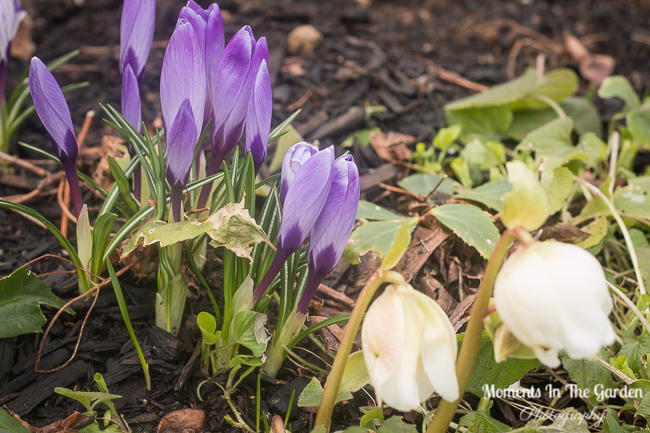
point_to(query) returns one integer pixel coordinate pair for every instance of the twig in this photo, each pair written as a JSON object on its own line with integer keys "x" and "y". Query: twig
{"x": 24, "y": 164}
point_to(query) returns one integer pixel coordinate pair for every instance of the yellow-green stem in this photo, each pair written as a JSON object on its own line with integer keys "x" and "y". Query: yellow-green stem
{"x": 324, "y": 416}
{"x": 468, "y": 351}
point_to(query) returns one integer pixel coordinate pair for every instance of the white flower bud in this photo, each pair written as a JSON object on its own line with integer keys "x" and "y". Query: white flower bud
{"x": 553, "y": 296}
{"x": 410, "y": 348}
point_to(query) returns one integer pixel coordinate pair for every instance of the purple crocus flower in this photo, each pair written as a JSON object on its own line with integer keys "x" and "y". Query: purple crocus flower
{"x": 136, "y": 34}
{"x": 295, "y": 157}
{"x": 258, "y": 116}
{"x": 131, "y": 106}
{"x": 332, "y": 229}
{"x": 53, "y": 111}
{"x": 182, "y": 99}
{"x": 11, "y": 14}
{"x": 303, "y": 203}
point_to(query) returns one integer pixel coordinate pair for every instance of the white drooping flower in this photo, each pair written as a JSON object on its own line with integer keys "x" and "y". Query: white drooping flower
{"x": 553, "y": 296}
{"x": 410, "y": 348}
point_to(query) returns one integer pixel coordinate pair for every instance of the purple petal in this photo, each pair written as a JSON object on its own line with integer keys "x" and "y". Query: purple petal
{"x": 258, "y": 116}
{"x": 181, "y": 139}
{"x": 52, "y": 110}
{"x": 215, "y": 44}
{"x": 196, "y": 20}
{"x": 131, "y": 106}
{"x": 136, "y": 34}
{"x": 11, "y": 14}
{"x": 305, "y": 200}
{"x": 183, "y": 76}
{"x": 295, "y": 157}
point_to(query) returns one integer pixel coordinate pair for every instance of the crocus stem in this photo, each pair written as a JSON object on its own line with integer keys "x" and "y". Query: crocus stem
{"x": 469, "y": 350}
{"x": 73, "y": 183}
{"x": 215, "y": 162}
{"x": 324, "y": 416}
{"x": 176, "y": 201}
{"x": 276, "y": 265}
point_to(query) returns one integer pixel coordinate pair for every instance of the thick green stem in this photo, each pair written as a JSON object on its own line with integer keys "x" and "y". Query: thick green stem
{"x": 468, "y": 351}
{"x": 324, "y": 416}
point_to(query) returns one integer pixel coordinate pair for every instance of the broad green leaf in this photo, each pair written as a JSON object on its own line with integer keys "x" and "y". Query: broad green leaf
{"x": 594, "y": 372}
{"x": 394, "y": 424}
{"x": 525, "y": 204}
{"x": 618, "y": 86}
{"x": 379, "y": 236}
{"x": 526, "y": 121}
{"x": 208, "y": 326}
{"x": 488, "y": 372}
{"x": 568, "y": 420}
{"x": 371, "y": 211}
{"x": 643, "y": 254}
{"x": 423, "y": 183}
{"x": 461, "y": 170}
{"x": 372, "y": 418}
{"x": 634, "y": 199}
{"x": 557, "y": 186}
{"x": 488, "y": 194}
{"x": 481, "y": 422}
{"x": 597, "y": 229}
{"x": 400, "y": 245}
{"x": 88, "y": 399}
{"x": 499, "y": 95}
{"x": 477, "y": 154}
{"x": 231, "y": 227}
{"x": 311, "y": 395}
{"x": 446, "y": 137}
{"x": 549, "y": 139}
{"x": 9, "y": 424}
{"x": 584, "y": 115}
{"x": 557, "y": 85}
{"x": 21, "y": 294}
{"x": 489, "y": 121}
{"x": 474, "y": 226}
{"x": 355, "y": 374}
{"x": 639, "y": 127}
{"x": 593, "y": 147}
{"x": 251, "y": 361}
{"x": 621, "y": 364}
{"x": 611, "y": 425}
{"x": 634, "y": 348}
{"x": 290, "y": 137}
{"x": 249, "y": 331}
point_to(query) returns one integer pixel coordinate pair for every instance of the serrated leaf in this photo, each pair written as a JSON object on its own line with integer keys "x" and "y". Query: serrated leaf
{"x": 249, "y": 331}
{"x": 502, "y": 375}
{"x": 481, "y": 422}
{"x": 557, "y": 186}
{"x": 423, "y": 183}
{"x": 552, "y": 138}
{"x": 208, "y": 326}
{"x": 400, "y": 245}
{"x": 376, "y": 236}
{"x": 634, "y": 198}
{"x": 371, "y": 211}
{"x": 474, "y": 226}
{"x": 618, "y": 86}
{"x": 488, "y": 194}
{"x": 21, "y": 295}
{"x": 394, "y": 424}
{"x": 9, "y": 424}
{"x": 634, "y": 348}
{"x": 594, "y": 372}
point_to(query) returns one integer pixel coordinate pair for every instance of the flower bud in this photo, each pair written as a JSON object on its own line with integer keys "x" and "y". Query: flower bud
{"x": 136, "y": 34}
{"x": 525, "y": 204}
{"x": 294, "y": 158}
{"x": 11, "y": 14}
{"x": 553, "y": 296}
{"x": 410, "y": 348}
{"x": 258, "y": 116}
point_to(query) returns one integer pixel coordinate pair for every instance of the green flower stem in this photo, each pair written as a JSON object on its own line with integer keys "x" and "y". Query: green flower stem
{"x": 469, "y": 350}
{"x": 330, "y": 393}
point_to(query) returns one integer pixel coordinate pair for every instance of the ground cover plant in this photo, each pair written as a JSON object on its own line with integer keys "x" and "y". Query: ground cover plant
{"x": 499, "y": 284}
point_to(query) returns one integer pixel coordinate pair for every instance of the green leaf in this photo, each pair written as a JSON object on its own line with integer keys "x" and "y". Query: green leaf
{"x": 491, "y": 121}
{"x": 585, "y": 116}
{"x": 620, "y": 363}
{"x": 634, "y": 348}
{"x": 423, "y": 183}
{"x": 379, "y": 236}
{"x": 477, "y": 154}
{"x": 249, "y": 331}
{"x": 558, "y": 85}
{"x": 474, "y": 226}
{"x": 592, "y": 146}
{"x": 88, "y": 399}
{"x": 446, "y": 137}
{"x": 9, "y": 424}
{"x": 568, "y": 420}
{"x": 208, "y": 326}
{"x": 488, "y": 194}
{"x": 394, "y": 424}
{"x": 549, "y": 139}
{"x": 400, "y": 245}
{"x": 361, "y": 136}
{"x": 355, "y": 375}
{"x": 21, "y": 294}
{"x": 634, "y": 198}
{"x": 311, "y": 395}
{"x": 639, "y": 127}
{"x": 524, "y": 122}
{"x": 94, "y": 428}
{"x": 597, "y": 229}
{"x": 611, "y": 424}
{"x": 618, "y": 86}
{"x": 371, "y": 419}
{"x": 594, "y": 372}
{"x": 488, "y": 372}
{"x": 481, "y": 422}
{"x": 557, "y": 186}
{"x": 371, "y": 211}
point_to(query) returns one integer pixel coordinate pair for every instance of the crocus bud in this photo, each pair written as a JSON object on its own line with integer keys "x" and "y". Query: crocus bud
{"x": 131, "y": 105}
{"x": 53, "y": 111}
{"x": 302, "y": 206}
{"x": 410, "y": 348}
{"x": 525, "y": 205}
{"x": 136, "y": 34}
{"x": 333, "y": 226}
{"x": 182, "y": 100}
{"x": 258, "y": 116}
{"x": 11, "y": 14}
{"x": 553, "y": 296}
{"x": 294, "y": 158}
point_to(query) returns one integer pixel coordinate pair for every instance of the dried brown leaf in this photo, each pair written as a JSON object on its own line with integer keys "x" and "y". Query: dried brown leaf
{"x": 391, "y": 145}
{"x": 183, "y": 421}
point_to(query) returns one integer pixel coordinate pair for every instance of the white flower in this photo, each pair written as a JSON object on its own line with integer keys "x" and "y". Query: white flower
{"x": 410, "y": 348}
{"x": 553, "y": 296}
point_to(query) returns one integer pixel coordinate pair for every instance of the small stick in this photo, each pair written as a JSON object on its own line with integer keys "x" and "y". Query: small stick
{"x": 24, "y": 164}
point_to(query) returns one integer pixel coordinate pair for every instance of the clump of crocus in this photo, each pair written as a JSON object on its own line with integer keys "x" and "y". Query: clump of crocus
{"x": 410, "y": 348}
{"x": 11, "y": 14}
{"x": 53, "y": 111}
{"x": 552, "y": 296}
{"x": 182, "y": 99}
{"x": 307, "y": 189}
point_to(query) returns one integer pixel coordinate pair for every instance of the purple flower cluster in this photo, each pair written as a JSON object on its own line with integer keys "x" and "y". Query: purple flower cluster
{"x": 319, "y": 196}
{"x": 11, "y": 14}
